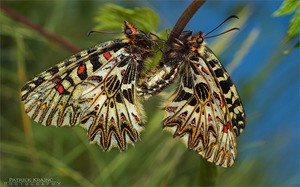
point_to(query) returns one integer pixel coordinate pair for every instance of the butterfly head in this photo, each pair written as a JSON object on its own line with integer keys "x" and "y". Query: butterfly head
{"x": 138, "y": 38}
{"x": 188, "y": 42}
{"x": 129, "y": 30}
{"x": 197, "y": 41}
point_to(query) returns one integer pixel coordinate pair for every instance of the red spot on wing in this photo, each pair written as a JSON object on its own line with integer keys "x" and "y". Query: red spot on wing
{"x": 81, "y": 69}
{"x": 223, "y": 101}
{"x": 227, "y": 127}
{"x": 135, "y": 117}
{"x": 56, "y": 80}
{"x": 53, "y": 70}
{"x": 183, "y": 115}
{"x": 107, "y": 55}
{"x": 202, "y": 126}
{"x": 123, "y": 72}
{"x": 171, "y": 109}
{"x": 60, "y": 89}
{"x": 101, "y": 118}
{"x": 209, "y": 117}
{"x": 205, "y": 71}
{"x": 216, "y": 95}
{"x": 122, "y": 116}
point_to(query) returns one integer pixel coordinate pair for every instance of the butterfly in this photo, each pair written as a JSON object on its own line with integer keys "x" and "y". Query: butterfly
{"x": 95, "y": 88}
{"x": 205, "y": 111}
{"x": 165, "y": 72}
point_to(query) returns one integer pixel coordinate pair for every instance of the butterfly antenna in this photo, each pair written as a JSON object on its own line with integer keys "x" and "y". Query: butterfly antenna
{"x": 230, "y": 17}
{"x": 151, "y": 33}
{"x": 102, "y": 32}
{"x": 224, "y": 32}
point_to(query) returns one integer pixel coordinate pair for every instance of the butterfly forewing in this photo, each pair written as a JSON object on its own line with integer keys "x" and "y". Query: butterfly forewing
{"x": 229, "y": 92}
{"x": 51, "y": 98}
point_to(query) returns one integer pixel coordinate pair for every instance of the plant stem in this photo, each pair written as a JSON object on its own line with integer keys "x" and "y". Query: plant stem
{"x": 183, "y": 20}
{"x": 14, "y": 15}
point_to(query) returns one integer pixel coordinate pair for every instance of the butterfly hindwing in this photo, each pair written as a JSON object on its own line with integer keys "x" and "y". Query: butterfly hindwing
{"x": 205, "y": 112}
{"x": 199, "y": 119}
{"x": 111, "y": 115}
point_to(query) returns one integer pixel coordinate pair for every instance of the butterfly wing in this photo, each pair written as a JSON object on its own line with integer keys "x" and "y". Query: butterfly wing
{"x": 110, "y": 110}
{"x": 95, "y": 88}
{"x": 200, "y": 114}
{"x": 233, "y": 102}
{"x": 51, "y": 97}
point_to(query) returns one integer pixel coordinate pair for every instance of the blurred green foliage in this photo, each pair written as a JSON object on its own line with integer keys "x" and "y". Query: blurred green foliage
{"x": 290, "y": 7}
{"x": 110, "y": 16}
{"x": 30, "y": 150}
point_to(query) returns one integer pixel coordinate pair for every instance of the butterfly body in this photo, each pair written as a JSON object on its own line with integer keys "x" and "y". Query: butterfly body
{"x": 166, "y": 71}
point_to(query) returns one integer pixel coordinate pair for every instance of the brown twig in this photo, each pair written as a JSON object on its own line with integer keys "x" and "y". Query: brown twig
{"x": 14, "y": 15}
{"x": 183, "y": 20}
